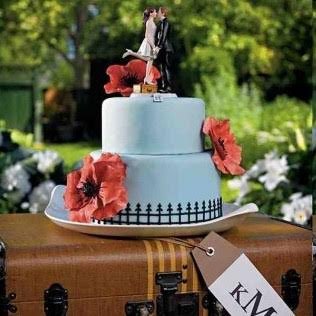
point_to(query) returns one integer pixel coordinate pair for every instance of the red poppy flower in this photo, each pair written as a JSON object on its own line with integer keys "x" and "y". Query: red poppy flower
{"x": 227, "y": 154}
{"x": 97, "y": 189}
{"x": 122, "y": 78}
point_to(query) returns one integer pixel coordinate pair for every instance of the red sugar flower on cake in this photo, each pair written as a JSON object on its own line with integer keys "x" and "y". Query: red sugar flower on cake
{"x": 227, "y": 154}
{"x": 97, "y": 189}
{"x": 122, "y": 78}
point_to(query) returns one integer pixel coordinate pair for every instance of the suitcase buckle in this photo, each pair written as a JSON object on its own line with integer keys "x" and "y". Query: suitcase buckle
{"x": 171, "y": 303}
{"x": 291, "y": 288}
{"x": 55, "y": 300}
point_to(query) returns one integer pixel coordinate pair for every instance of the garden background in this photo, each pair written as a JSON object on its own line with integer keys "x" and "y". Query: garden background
{"x": 251, "y": 61}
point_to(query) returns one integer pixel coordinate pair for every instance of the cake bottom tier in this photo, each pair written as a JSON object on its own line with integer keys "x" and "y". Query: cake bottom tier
{"x": 169, "y": 189}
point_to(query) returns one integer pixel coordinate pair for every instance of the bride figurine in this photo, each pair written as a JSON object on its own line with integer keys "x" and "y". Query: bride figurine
{"x": 147, "y": 50}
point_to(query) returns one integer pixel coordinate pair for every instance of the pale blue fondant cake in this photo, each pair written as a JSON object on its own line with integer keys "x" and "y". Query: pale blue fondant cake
{"x": 170, "y": 178}
{"x": 140, "y": 126}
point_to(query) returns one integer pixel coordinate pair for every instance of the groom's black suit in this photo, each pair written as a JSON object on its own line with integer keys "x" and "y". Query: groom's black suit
{"x": 162, "y": 40}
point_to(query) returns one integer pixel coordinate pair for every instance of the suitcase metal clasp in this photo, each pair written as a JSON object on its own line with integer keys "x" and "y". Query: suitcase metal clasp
{"x": 55, "y": 300}
{"x": 171, "y": 303}
{"x": 291, "y": 288}
{"x": 5, "y": 301}
{"x": 5, "y": 304}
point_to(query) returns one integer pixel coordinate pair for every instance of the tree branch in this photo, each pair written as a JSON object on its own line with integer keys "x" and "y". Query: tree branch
{"x": 60, "y": 52}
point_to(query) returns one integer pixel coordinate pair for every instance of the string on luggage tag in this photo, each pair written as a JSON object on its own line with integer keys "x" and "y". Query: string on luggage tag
{"x": 209, "y": 251}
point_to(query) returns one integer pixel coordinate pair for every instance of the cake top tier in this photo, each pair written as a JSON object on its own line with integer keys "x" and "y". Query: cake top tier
{"x": 158, "y": 124}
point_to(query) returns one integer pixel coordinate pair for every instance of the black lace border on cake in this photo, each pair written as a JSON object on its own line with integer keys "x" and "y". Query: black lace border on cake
{"x": 193, "y": 213}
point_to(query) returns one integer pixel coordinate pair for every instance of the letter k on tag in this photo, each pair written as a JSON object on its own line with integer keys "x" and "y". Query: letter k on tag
{"x": 235, "y": 281}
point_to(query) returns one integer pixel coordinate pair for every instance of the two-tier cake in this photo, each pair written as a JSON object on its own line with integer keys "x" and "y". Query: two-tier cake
{"x": 170, "y": 178}
{"x": 153, "y": 176}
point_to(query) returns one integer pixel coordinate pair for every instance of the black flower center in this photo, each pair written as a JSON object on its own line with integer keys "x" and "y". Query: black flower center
{"x": 129, "y": 80}
{"x": 90, "y": 189}
{"x": 222, "y": 151}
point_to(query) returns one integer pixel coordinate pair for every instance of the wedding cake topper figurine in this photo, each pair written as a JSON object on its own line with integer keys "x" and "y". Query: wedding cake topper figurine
{"x": 164, "y": 50}
{"x": 146, "y": 49}
{"x": 156, "y": 46}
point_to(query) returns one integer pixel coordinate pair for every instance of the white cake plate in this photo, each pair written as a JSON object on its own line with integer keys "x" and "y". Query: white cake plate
{"x": 232, "y": 215}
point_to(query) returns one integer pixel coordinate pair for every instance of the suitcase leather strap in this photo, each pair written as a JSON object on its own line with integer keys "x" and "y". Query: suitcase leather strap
{"x": 159, "y": 247}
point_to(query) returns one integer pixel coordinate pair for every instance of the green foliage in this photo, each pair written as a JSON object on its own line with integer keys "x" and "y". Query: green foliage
{"x": 285, "y": 127}
{"x": 33, "y": 27}
{"x": 227, "y": 193}
{"x": 242, "y": 105}
{"x": 21, "y": 138}
{"x": 62, "y": 77}
{"x": 249, "y": 32}
{"x": 289, "y": 122}
{"x": 224, "y": 99}
{"x": 38, "y": 33}
{"x": 292, "y": 110}
{"x": 73, "y": 152}
{"x": 263, "y": 42}
{"x": 260, "y": 126}
{"x": 113, "y": 30}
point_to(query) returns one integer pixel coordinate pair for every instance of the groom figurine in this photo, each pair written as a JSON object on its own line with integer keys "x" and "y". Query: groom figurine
{"x": 164, "y": 50}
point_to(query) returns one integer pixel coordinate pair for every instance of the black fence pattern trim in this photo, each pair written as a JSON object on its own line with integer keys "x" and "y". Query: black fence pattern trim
{"x": 191, "y": 214}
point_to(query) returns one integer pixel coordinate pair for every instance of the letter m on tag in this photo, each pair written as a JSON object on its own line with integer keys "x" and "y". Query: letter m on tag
{"x": 254, "y": 302}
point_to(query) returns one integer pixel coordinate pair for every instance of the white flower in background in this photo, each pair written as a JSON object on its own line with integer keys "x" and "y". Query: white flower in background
{"x": 16, "y": 179}
{"x": 299, "y": 210}
{"x": 47, "y": 160}
{"x": 256, "y": 169}
{"x": 240, "y": 184}
{"x": 275, "y": 164}
{"x": 276, "y": 169}
{"x": 271, "y": 180}
{"x": 25, "y": 205}
{"x": 40, "y": 196}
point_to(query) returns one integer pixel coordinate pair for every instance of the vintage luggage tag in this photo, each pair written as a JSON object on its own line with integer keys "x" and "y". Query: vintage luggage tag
{"x": 235, "y": 281}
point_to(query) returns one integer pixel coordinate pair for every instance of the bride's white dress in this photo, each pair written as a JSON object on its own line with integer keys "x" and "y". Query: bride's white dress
{"x": 148, "y": 43}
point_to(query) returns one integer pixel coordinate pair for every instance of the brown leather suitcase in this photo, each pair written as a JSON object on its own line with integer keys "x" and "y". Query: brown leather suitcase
{"x": 48, "y": 270}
